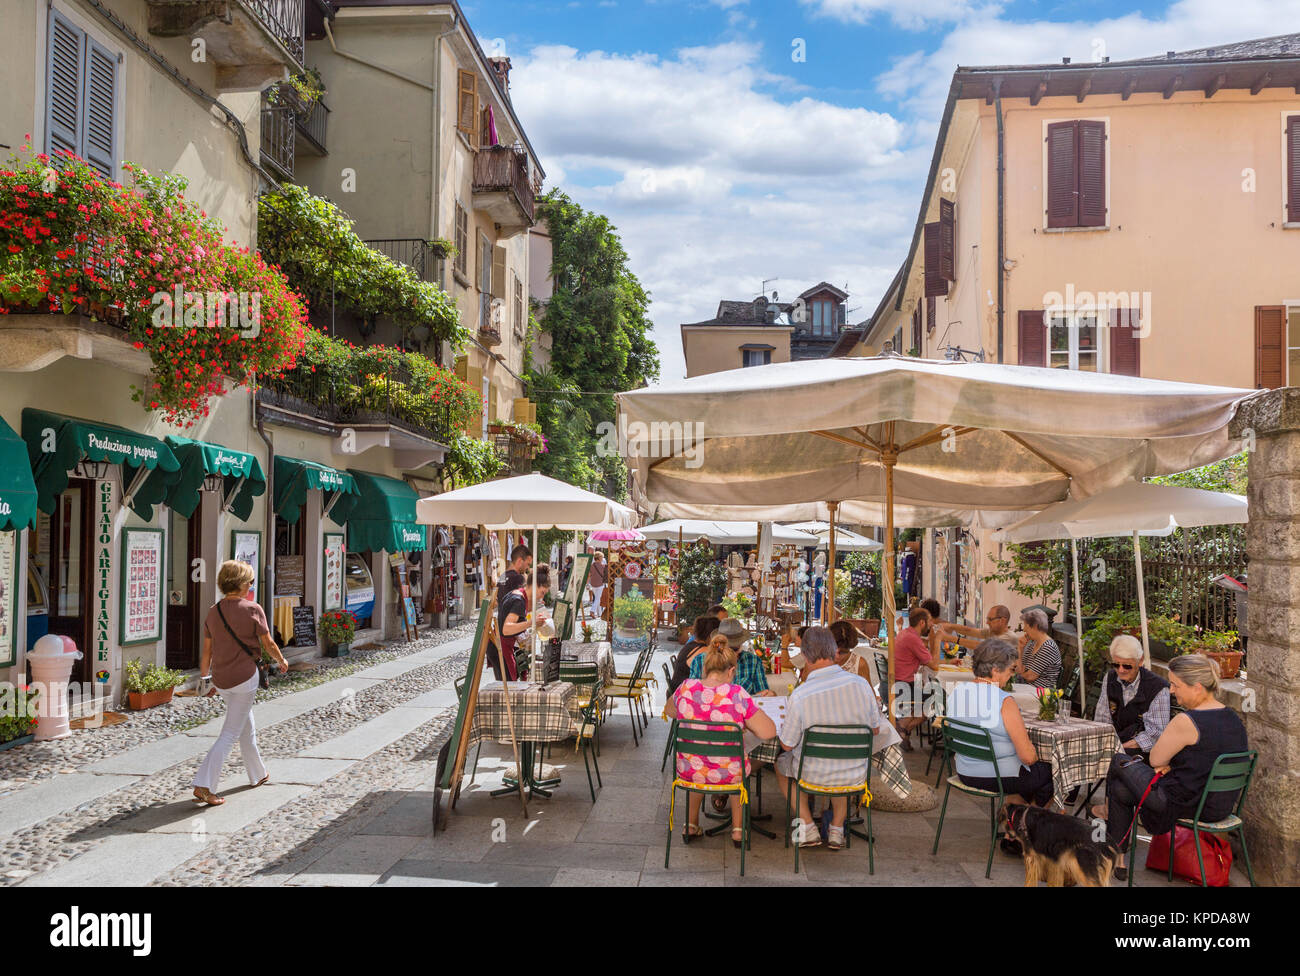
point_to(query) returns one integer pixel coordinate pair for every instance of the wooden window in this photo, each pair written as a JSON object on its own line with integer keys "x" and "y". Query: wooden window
{"x": 462, "y": 240}
{"x": 1126, "y": 341}
{"x": 1293, "y": 169}
{"x": 467, "y": 110}
{"x": 520, "y": 320}
{"x": 916, "y": 329}
{"x": 935, "y": 283}
{"x": 485, "y": 128}
{"x": 1032, "y": 339}
{"x": 1076, "y": 174}
{"x": 81, "y": 95}
{"x": 755, "y": 357}
{"x": 1072, "y": 341}
{"x": 1270, "y": 332}
{"x": 930, "y": 311}
{"x": 947, "y": 239}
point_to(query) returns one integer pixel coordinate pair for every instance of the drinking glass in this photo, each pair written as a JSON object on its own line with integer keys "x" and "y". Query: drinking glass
{"x": 1063, "y": 712}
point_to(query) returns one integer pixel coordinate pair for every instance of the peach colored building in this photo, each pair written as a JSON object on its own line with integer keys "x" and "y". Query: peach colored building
{"x": 1140, "y": 217}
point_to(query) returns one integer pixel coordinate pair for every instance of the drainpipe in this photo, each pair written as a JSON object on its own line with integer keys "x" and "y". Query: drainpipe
{"x": 269, "y": 590}
{"x": 1002, "y": 240}
{"x": 436, "y": 216}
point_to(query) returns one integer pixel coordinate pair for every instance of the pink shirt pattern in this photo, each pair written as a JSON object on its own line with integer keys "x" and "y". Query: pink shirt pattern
{"x": 697, "y": 702}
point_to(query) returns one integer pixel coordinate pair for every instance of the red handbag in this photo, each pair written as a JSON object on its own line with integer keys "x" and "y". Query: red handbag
{"x": 1215, "y": 850}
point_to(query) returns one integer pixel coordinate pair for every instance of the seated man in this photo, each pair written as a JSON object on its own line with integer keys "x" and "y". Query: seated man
{"x": 1133, "y": 698}
{"x": 749, "y": 669}
{"x": 911, "y": 651}
{"x": 828, "y": 696}
{"x": 998, "y": 620}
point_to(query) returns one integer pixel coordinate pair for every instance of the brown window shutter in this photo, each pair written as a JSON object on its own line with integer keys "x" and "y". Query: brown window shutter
{"x": 935, "y": 283}
{"x": 929, "y": 313}
{"x": 1270, "y": 347}
{"x": 1092, "y": 174}
{"x": 1125, "y": 344}
{"x": 1062, "y": 174}
{"x": 467, "y": 111}
{"x": 1032, "y": 339}
{"x": 1293, "y": 169}
{"x": 485, "y": 137}
{"x": 947, "y": 239}
{"x": 916, "y": 328}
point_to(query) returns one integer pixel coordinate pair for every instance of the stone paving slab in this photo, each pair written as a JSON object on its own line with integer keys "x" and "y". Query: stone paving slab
{"x": 413, "y": 873}
{"x": 358, "y": 861}
{"x": 153, "y": 757}
{"x": 54, "y": 796}
{"x": 121, "y": 860}
{"x": 243, "y": 806}
{"x": 372, "y": 735}
{"x": 438, "y": 698}
{"x": 305, "y": 771}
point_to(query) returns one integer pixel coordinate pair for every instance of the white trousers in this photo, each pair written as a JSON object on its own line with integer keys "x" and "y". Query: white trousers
{"x": 596, "y": 593}
{"x": 238, "y": 728}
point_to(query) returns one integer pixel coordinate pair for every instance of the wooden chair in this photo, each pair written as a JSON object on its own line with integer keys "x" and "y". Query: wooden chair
{"x": 665, "y": 608}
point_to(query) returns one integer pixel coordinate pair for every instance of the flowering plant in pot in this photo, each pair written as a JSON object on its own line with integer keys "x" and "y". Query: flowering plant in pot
{"x": 337, "y": 628}
{"x": 18, "y": 724}
{"x": 1219, "y": 646}
{"x": 147, "y": 685}
{"x": 633, "y": 614}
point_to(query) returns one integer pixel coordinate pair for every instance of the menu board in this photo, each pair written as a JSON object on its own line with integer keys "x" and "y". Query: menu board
{"x": 304, "y": 627}
{"x": 8, "y": 598}
{"x": 142, "y": 585}
{"x": 332, "y": 598}
{"x": 246, "y": 547}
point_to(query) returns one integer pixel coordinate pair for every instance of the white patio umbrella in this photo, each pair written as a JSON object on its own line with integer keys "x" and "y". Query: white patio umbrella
{"x": 1136, "y": 509}
{"x": 844, "y": 539}
{"x": 955, "y": 436}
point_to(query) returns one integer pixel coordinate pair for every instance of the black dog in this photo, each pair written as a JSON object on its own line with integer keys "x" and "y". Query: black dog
{"x": 1060, "y": 849}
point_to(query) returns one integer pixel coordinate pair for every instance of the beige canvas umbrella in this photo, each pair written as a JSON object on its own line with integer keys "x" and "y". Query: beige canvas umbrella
{"x": 947, "y": 436}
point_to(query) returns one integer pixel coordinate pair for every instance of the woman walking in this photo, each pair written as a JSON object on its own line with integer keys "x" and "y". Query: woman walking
{"x": 234, "y": 635}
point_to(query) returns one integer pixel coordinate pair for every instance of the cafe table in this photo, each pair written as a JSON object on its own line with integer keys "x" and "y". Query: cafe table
{"x": 1079, "y": 750}
{"x": 599, "y": 653}
{"x": 542, "y": 713}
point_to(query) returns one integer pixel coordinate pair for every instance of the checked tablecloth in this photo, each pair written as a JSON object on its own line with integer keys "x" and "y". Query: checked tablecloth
{"x": 1079, "y": 751}
{"x": 887, "y": 765}
{"x": 542, "y": 713}
{"x": 595, "y": 652}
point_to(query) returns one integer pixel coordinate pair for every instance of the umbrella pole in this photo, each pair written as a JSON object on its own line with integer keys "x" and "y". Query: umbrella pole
{"x": 533, "y": 602}
{"x": 887, "y": 459}
{"x": 1078, "y": 625}
{"x": 830, "y": 569}
{"x": 1142, "y": 597}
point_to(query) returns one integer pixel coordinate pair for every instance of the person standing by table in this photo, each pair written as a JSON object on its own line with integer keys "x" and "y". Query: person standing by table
{"x": 1133, "y": 698}
{"x": 515, "y": 616}
{"x": 521, "y": 560}
{"x": 1040, "y": 658}
{"x": 234, "y": 636}
{"x": 1184, "y": 755}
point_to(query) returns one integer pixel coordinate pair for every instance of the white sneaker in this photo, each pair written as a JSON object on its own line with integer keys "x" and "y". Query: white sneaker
{"x": 809, "y": 835}
{"x": 834, "y": 837}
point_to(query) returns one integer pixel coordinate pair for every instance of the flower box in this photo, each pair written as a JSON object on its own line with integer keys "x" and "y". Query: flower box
{"x": 338, "y": 650}
{"x": 1229, "y": 661}
{"x": 138, "y": 701}
{"x": 22, "y": 740}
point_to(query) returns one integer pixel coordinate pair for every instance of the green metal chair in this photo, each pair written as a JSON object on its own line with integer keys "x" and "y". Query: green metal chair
{"x": 586, "y": 677}
{"x": 713, "y": 740}
{"x": 588, "y": 731}
{"x": 970, "y": 742}
{"x": 936, "y": 737}
{"x": 1231, "y": 772}
{"x": 843, "y": 743}
{"x": 632, "y": 689}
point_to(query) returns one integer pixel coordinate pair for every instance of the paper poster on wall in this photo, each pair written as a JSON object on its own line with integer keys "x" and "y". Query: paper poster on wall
{"x": 246, "y": 547}
{"x": 142, "y": 585}
{"x": 332, "y": 598}
{"x": 8, "y": 598}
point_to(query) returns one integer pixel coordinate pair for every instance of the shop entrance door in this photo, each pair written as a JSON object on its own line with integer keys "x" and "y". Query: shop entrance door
{"x": 185, "y": 600}
{"x": 65, "y": 556}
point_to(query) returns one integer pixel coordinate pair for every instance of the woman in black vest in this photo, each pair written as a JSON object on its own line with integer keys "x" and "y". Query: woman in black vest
{"x": 1184, "y": 754}
{"x": 1133, "y": 698}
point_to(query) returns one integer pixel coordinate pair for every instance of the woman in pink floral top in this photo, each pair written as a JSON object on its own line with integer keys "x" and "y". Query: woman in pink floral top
{"x": 716, "y": 698}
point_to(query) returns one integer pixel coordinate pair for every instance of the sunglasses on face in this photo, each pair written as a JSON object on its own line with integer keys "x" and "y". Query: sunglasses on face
{"x": 1125, "y": 666}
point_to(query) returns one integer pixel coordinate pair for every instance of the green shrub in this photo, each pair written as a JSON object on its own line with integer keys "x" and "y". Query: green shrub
{"x": 142, "y": 679}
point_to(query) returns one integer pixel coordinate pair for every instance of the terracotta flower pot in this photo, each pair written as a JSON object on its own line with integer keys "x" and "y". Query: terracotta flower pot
{"x": 148, "y": 699}
{"x": 1229, "y": 661}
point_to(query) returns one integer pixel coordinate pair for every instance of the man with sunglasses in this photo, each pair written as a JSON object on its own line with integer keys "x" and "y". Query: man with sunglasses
{"x": 1133, "y": 698}
{"x": 999, "y": 623}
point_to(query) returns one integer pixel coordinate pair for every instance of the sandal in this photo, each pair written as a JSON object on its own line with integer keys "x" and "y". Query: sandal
{"x": 737, "y": 837}
{"x": 207, "y": 798}
{"x": 690, "y": 831}
{"x": 263, "y": 781}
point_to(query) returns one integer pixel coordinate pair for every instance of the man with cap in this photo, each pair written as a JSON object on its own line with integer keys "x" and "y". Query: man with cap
{"x": 749, "y": 669}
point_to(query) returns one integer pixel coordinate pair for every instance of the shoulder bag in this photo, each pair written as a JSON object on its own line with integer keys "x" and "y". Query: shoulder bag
{"x": 263, "y": 669}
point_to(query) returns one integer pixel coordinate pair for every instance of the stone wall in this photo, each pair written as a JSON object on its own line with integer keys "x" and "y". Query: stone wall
{"x": 1273, "y": 545}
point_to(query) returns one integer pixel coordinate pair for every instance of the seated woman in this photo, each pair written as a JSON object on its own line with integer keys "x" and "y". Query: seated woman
{"x": 846, "y": 656}
{"x": 705, "y": 625}
{"x": 1184, "y": 753}
{"x": 1040, "y": 658}
{"x": 982, "y": 702}
{"x": 715, "y": 698}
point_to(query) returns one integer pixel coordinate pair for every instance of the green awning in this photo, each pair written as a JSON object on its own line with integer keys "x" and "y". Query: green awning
{"x": 294, "y": 477}
{"x": 56, "y": 443}
{"x": 382, "y": 515}
{"x": 17, "y": 489}
{"x": 240, "y": 472}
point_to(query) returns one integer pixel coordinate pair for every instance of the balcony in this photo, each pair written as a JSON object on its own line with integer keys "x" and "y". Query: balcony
{"x": 414, "y": 252}
{"x": 311, "y": 127}
{"x": 251, "y": 42}
{"x": 278, "y": 139}
{"x": 503, "y": 190}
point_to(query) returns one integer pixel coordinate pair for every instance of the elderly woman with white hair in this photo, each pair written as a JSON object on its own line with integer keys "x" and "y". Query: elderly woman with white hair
{"x": 1133, "y": 697}
{"x": 1040, "y": 657}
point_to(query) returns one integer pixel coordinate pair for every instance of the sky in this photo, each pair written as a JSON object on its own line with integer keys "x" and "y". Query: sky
{"x": 733, "y": 141}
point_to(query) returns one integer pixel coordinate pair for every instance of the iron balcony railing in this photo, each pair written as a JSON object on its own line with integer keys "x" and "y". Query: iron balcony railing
{"x": 413, "y": 252}
{"x": 502, "y": 168}
{"x": 277, "y": 138}
{"x": 286, "y": 20}
{"x": 312, "y": 125}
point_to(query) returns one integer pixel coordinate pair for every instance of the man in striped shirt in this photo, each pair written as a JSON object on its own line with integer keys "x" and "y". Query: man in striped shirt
{"x": 829, "y": 695}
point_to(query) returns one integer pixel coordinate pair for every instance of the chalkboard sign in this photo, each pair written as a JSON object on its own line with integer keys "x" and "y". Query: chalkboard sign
{"x": 304, "y": 626}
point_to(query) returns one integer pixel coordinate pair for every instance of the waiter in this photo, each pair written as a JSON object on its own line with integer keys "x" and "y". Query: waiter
{"x": 521, "y": 560}
{"x": 515, "y": 616}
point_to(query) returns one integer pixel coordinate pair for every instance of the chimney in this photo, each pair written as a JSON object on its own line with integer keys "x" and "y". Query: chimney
{"x": 501, "y": 68}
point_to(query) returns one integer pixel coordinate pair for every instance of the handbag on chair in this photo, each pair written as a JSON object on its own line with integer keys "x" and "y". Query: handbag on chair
{"x": 1215, "y": 851}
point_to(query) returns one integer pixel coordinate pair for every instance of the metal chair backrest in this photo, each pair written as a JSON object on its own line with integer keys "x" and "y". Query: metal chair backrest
{"x": 844, "y": 743}
{"x": 1232, "y": 771}
{"x": 970, "y": 741}
{"x": 580, "y": 673}
{"x": 712, "y": 740}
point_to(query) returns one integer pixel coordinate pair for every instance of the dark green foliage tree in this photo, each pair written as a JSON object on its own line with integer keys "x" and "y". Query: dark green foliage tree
{"x": 600, "y": 345}
{"x": 701, "y": 581}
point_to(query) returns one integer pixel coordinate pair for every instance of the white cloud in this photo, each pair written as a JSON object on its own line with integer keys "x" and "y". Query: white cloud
{"x": 718, "y": 183}
{"x": 910, "y": 14}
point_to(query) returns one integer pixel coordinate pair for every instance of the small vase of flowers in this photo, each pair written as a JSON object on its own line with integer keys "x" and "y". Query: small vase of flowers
{"x": 1049, "y": 702}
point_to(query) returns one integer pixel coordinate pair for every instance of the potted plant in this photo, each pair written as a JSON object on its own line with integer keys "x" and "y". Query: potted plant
{"x": 633, "y": 614}
{"x": 147, "y": 685}
{"x": 1219, "y": 646}
{"x": 587, "y": 632}
{"x": 739, "y": 605}
{"x": 18, "y": 724}
{"x": 337, "y": 628}
{"x": 1049, "y": 701}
